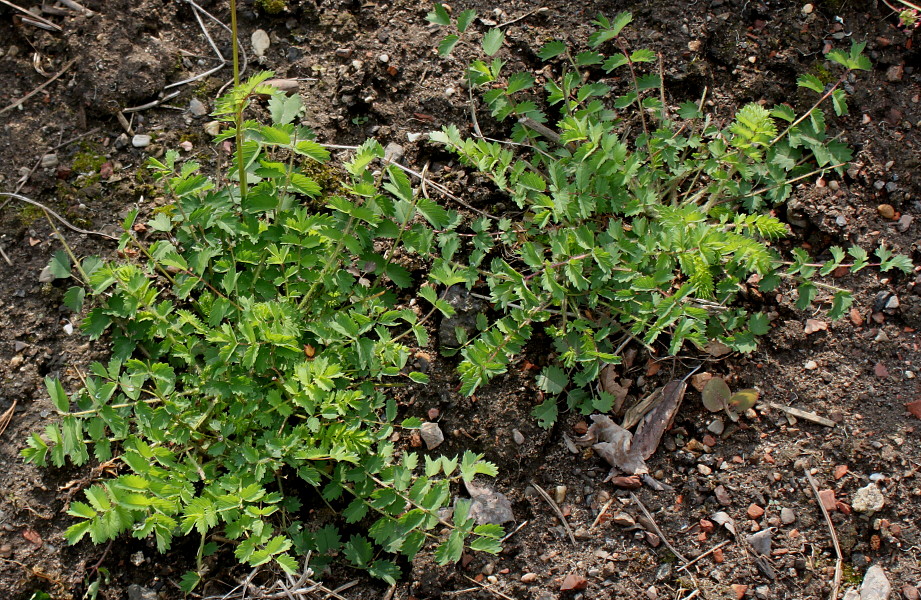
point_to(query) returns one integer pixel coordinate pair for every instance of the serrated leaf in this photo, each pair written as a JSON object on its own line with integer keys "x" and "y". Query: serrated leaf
{"x": 446, "y": 46}
{"x": 546, "y": 413}
{"x": 552, "y": 380}
{"x": 284, "y": 109}
{"x": 451, "y": 550}
{"x": 552, "y": 50}
{"x": 57, "y": 394}
{"x": 59, "y": 265}
{"x": 492, "y": 41}
{"x": 189, "y": 581}
{"x": 809, "y": 81}
{"x": 73, "y": 298}
{"x": 439, "y": 15}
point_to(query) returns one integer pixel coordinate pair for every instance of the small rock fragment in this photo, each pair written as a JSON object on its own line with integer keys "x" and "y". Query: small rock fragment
{"x": 623, "y": 519}
{"x": 559, "y": 494}
{"x": 573, "y": 582}
{"x": 880, "y": 370}
{"x": 393, "y": 152}
{"x": 694, "y": 45}
{"x": 737, "y": 588}
{"x": 432, "y": 435}
{"x": 868, "y": 499}
{"x": 213, "y": 128}
{"x": 754, "y": 511}
{"x": 488, "y": 505}
{"x": 140, "y": 141}
{"x": 787, "y": 516}
{"x": 261, "y": 42}
{"x": 827, "y": 498}
{"x": 529, "y": 578}
{"x": 904, "y": 223}
{"x": 911, "y": 592}
{"x": 811, "y": 365}
{"x": 722, "y": 496}
{"x": 517, "y": 437}
{"x": 46, "y": 276}
{"x": 49, "y": 161}
{"x": 886, "y": 211}
{"x": 895, "y": 73}
{"x": 875, "y": 585}
{"x": 186, "y": 146}
{"x": 840, "y": 471}
{"x": 197, "y": 108}
{"x": 761, "y": 541}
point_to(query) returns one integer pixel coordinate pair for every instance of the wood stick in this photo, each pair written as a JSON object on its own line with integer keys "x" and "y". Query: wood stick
{"x": 801, "y": 414}
{"x": 29, "y": 14}
{"x": 557, "y": 510}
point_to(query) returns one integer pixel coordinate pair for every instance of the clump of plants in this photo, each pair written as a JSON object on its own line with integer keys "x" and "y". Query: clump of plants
{"x": 254, "y": 345}
{"x": 639, "y": 221}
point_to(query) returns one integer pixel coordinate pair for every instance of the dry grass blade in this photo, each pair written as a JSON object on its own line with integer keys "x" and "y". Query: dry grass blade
{"x": 6, "y": 417}
{"x": 48, "y": 24}
{"x": 556, "y": 509}
{"x": 64, "y": 221}
{"x": 658, "y": 531}
{"x": 834, "y": 536}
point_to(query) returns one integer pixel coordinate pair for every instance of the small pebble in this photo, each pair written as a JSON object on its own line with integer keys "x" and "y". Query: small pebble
{"x": 811, "y": 365}
{"x": 559, "y": 494}
{"x": 694, "y": 45}
{"x": 716, "y": 427}
{"x": 414, "y": 137}
{"x": 787, "y": 516}
{"x": 261, "y": 42}
{"x": 885, "y": 210}
{"x": 49, "y": 161}
{"x": 213, "y": 128}
{"x": 517, "y": 437}
{"x": 904, "y": 223}
{"x": 868, "y": 499}
{"x": 344, "y": 52}
{"x": 140, "y": 141}
{"x": 704, "y": 470}
{"x": 529, "y": 578}
{"x": 186, "y": 145}
{"x": 754, "y": 511}
{"x": 384, "y": 58}
{"x": 197, "y": 108}
{"x": 432, "y": 435}
{"x": 807, "y": 9}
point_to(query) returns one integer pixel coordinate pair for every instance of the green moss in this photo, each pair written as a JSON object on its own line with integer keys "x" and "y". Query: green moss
{"x": 29, "y": 214}
{"x": 88, "y": 159}
{"x": 272, "y": 7}
{"x": 327, "y": 176}
{"x": 824, "y": 75}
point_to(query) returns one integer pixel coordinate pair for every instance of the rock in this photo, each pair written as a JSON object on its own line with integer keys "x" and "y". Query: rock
{"x": 811, "y": 365}
{"x": 186, "y": 146}
{"x": 694, "y": 45}
{"x": 414, "y": 137}
{"x": 488, "y": 506}
{"x": 559, "y": 494}
{"x": 763, "y": 592}
{"x": 722, "y": 496}
{"x": 700, "y": 380}
{"x": 623, "y": 519}
{"x": 46, "y": 276}
{"x": 716, "y": 427}
{"x": 911, "y": 592}
{"x": 895, "y": 73}
{"x": 432, "y": 435}
{"x": 573, "y": 582}
{"x": 393, "y": 152}
{"x": 136, "y": 592}
{"x": 754, "y": 511}
{"x": 261, "y": 42}
{"x": 517, "y": 437}
{"x": 761, "y": 541}
{"x": 827, "y": 497}
{"x": 868, "y": 499}
{"x": 6, "y": 551}
{"x": 875, "y": 585}
{"x": 787, "y": 516}
{"x": 121, "y": 141}
{"x": 529, "y": 578}
{"x": 704, "y": 470}
{"x": 904, "y": 223}
{"x": 807, "y": 9}
{"x": 140, "y": 141}
{"x": 213, "y": 128}
{"x": 49, "y": 161}
{"x": 886, "y": 211}
{"x": 197, "y": 108}
{"x": 739, "y": 590}
{"x": 384, "y": 58}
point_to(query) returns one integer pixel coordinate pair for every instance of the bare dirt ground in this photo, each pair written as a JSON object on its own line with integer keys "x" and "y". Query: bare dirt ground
{"x": 372, "y": 70}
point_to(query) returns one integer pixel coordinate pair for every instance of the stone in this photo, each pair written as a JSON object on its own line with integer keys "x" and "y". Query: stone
{"x": 49, "y": 161}
{"x": 213, "y": 128}
{"x": 827, "y": 497}
{"x": 787, "y": 516}
{"x": 754, "y": 511}
{"x": 904, "y": 223}
{"x": 140, "y": 141}
{"x": 393, "y": 152}
{"x": 529, "y": 578}
{"x": 895, "y": 73}
{"x": 811, "y": 365}
{"x": 623, "y": 519}
{"x": 46, "y": 276}
{"x": 136, "y": 592}
{"x": 911, "y": 592}
{"x": 868, "y": 499}
{"x": 432, "y": 435}
{"x": 875, "y": 585}
{"x": 886, "y": 211}
{"x": 197, "y": 108}
{"x": 517, "y": 437}
{"x": 261, "y": 42}
{"x": 716, "y": 427}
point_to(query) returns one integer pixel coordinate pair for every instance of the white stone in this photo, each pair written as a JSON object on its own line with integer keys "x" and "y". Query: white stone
{"x": 260, "y": 42}
{"x": 875, "y": 585}
{"x": 140, "y": 141}
{"x": 432, "y": 435}
{"x": 868, "y": 499}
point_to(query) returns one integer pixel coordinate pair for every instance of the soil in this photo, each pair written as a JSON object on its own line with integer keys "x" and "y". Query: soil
{"x": 373, "y": 70}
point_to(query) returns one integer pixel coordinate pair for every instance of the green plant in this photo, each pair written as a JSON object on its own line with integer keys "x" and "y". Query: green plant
{"x": 639, "y": 221}
{"x": 272, "y": 7}
{"x": 254, "y": 341}
{"x": 717, "y": 396}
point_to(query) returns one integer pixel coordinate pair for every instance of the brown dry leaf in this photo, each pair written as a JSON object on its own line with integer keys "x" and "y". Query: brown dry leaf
{"x": 614, "y": 444}
{"x": 813, "y": 325}
{"x": 573, "y": 582}
{"x": 717, "y": 349}
{"x": 914, "y": 408}
{"x": 32, "y": 536}
{"x": 608, "y": 380}
{"x": 658, "y": 420}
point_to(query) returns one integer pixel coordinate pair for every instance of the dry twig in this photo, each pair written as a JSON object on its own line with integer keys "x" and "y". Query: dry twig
{"x": 32, "y": 18}
{"x": 705, "y": 554}
{"x": 557, "y": 510}
{"x": 6, "y": 417}
{"x": 834, "y": 536}
{"x": 658, "y": 531}
{"x": 63, "y": 70}
{"x": 64, "y": 221}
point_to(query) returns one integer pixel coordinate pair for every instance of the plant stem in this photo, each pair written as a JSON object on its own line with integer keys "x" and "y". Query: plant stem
{"x": 238, "y": 114}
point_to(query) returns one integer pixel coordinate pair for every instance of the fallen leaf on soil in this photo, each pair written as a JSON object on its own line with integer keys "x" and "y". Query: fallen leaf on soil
{"x": 813, "y": 325}
{"x": 614, "y": 444}
{"x": 722, "y": 518}
{"x": 761, "y": 541}
{"x": 627, "y": 483}
{"x": 717, "y": 349}
{"x": 658, "y": 420}
{"x": 32, "y": 536}
{"x": 573, "y": 582}
{"x": 840, "y": 471}
{"x": 608, "y": 380}
{"x": 652, "y": 367}
{"x": 914, "y": 408}
{"x": 488, "y": 506}
{"x": 881, "y": 371}
{"x": 715, "y": 394}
